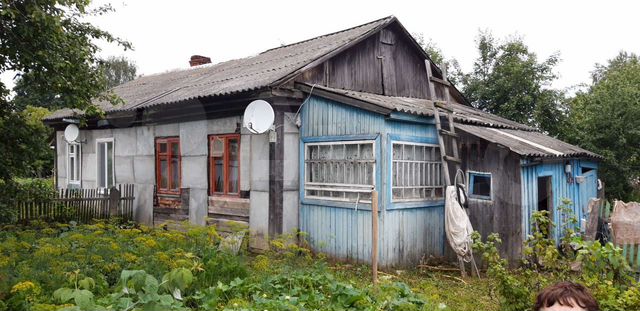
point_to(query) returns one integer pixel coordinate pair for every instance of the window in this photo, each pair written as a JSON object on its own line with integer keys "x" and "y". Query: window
{"x": 340, "y": 171}
{"x": 104, "y": 157}
{"x": 480, "y": 185}
{"x": 74, "y": 166}
{"x": 416, "y": 172}
{"x": 224, "y": 164}
{"x": 168, "y": 165}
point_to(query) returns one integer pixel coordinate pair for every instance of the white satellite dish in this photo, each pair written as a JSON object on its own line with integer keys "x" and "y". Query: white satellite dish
{"x": 71, "y": 133}
{"x": 258, "y": 117}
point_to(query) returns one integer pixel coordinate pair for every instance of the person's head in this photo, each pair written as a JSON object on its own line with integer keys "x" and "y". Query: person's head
{"x": 566, "y": 296}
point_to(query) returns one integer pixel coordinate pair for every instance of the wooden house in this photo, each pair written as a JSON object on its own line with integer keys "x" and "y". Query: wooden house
{"x": 353, "y": 113}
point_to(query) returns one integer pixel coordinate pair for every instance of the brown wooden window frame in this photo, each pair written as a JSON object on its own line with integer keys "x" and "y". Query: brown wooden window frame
{"x": 225, "y": 166}
{"x": 167, "y": 156}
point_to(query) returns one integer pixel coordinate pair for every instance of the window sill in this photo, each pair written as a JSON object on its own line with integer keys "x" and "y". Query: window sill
{"x": 416, "y": 204}
{"x": 338, "y": 204}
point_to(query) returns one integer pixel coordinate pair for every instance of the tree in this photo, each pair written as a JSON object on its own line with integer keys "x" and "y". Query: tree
{"x": 508, "y": 80}
{"x": 454, "y": 72}
{"x": 50, "y": 41}
{"x": 605, "y": 119}
{"x": 118, "y": 70}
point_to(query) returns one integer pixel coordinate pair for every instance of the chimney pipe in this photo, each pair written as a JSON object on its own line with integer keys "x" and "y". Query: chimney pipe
{"x": 197, "y": 60}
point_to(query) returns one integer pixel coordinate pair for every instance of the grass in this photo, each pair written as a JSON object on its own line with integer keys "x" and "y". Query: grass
{"x": 458, "y": 294}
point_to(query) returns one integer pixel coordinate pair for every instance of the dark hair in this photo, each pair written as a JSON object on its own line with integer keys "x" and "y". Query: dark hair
{"x": 566, "y": 294}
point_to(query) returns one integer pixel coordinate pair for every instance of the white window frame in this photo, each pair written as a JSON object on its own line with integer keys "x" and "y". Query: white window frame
{"x": 77, "y": 155}
{"x": 113, "y": 159}
{"x": 472, "y": 196}
{"x": 341, "y": 187}
{"x": 427, "y": 186}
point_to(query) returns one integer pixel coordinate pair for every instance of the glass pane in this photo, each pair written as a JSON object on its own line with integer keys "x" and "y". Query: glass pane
{"x": 72, "y": 168}
{"x": 351, "y": 152}
{"x": 175, "y": 149}
{"x": 109, "y": 172}
{"x": 397, "y": 152}
{"x": 162, "y": 147}
{"x": 234, "y": 164}
{"x": 217, "y": 147}
{"x": 366, "y": 151}
{"x": 175, "y": 173}
{"x": 164, "y": 174}
{"x": 218, "y": 175}
{"x": 325, "y": 152}
{"x": 481, "y": 185}
{"x": 101, "y": 164}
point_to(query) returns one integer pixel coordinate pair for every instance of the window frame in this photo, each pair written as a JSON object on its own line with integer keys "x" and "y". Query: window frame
{"x": 225, "y": 165}
{"x": 77, "y": 155}
{"x": 349, "y": 139}
{"x": 168, "y": 155}
{"x": 113, "y": 160}
{"x": 470, "y": 176}
{"x": 392, "y": 143}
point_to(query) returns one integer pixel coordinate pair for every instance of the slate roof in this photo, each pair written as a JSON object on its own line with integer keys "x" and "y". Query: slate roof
{"x": 234, "y": 76}
{"x": 527, "y": 143}
{"x": 519, "y": 138}
{"x": 423, "y": 107}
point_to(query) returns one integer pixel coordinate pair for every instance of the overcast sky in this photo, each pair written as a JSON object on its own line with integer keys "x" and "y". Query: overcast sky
{"x": 166, "y": 33}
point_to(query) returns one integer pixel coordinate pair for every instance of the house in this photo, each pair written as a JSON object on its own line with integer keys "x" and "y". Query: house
{"x": 353, "y": 114}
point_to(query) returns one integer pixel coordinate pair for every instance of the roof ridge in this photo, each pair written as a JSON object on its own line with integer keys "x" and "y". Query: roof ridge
{"x": 329, "y": 34}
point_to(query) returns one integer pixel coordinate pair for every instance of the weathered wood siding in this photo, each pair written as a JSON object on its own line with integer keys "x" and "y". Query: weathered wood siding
{"x": 577, "y": 193}
{"x": 502, "y": 214}
{"x": 406, "y": 232}
{"x": 386, "y": 63}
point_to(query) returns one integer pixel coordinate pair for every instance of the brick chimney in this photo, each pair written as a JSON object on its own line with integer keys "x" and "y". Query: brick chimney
{"x": 197, "y": 60}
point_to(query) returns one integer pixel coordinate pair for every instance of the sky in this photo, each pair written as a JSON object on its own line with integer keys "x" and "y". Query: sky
{"x": 165, "y": 34}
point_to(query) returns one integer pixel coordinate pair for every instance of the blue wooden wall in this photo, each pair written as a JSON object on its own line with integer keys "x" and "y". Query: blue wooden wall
{"x": 407, "y": 231}
{"x": 577, "y": 193}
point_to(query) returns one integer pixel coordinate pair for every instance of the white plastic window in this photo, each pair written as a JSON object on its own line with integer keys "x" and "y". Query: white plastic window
{"x": 74, "y": 165}
{"x": 104, "y": 157}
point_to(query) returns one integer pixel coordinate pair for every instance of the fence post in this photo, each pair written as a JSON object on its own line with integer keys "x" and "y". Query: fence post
{"x": 114, "y": 201}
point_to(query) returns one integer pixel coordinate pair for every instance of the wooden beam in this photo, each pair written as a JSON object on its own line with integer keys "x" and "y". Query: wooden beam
{"x": 374, "y": 236}
{"x": 440, "y": 81}
{"x": 345, "y": 99}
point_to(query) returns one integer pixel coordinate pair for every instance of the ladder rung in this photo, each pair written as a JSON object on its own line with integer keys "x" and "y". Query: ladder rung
{"x": 442, "y": 105}
{"x": 448, "y": 133}
{"x": 440, "y": 81}
{"x": 452, "y": 159}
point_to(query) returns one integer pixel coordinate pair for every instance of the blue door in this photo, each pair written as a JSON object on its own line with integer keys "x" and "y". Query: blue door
{"x": 588, "y": 188}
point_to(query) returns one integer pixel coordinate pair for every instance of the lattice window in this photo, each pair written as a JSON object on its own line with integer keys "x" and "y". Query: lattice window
{"x": 340, "y": 171}
{"x": 74, "y": 163}
{"x": 416, "y": 172}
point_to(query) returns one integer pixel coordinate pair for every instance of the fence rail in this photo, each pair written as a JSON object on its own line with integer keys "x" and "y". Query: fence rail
{"x": 81, "y": 205}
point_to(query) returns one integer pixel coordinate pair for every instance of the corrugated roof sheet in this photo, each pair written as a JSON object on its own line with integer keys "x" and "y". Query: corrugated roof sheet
{"x": 234, "y": 76}
{"x": 527, "y": 143}
{"x": 417, "y": 106}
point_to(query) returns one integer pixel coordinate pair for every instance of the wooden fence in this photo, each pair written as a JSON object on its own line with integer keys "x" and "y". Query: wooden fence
{"x": 81, "y": 205}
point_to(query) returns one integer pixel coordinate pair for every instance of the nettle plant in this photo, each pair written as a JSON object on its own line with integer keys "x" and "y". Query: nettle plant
{"x": 545, "y": 261}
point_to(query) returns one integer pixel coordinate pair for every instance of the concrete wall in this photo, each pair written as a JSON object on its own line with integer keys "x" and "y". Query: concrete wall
{"x": 135, "y": 163}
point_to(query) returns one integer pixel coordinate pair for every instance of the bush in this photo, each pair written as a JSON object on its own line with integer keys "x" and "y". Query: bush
{"x": 23, "y": 190}
{"x": 602, "y": 268}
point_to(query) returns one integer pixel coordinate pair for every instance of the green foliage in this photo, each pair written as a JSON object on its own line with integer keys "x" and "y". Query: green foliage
{"x": 602, "y": 268}
{"x": 104, "y": 267}
{"x": 508, "y": 80}
{"x": 118, "y": 70}
{"x": 22, "y": 190}
{"x": 606, "y": 119}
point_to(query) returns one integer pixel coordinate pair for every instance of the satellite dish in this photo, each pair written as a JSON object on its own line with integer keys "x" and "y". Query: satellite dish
{"x": 258, "y": 116}
{"x": 71, "y": 133}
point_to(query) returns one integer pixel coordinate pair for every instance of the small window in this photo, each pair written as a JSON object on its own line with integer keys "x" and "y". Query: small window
{"x": 340, "y": 171}
{"x": 224, "y": 164}
{"x": 480, "y": 185}
{"x": 105, "y": 166}
{"x": 74, "y": 165}
{"x": 168, "y": 165}
{"x": 416, "y": 172}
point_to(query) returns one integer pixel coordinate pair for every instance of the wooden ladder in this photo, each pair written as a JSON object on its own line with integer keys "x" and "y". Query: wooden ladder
{"x": 451, "y": 133}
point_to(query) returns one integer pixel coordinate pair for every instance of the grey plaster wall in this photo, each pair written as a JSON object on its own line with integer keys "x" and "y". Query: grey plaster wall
{"x": 134, "y": 162}
{"x": 291, "y": 175}
{"x": 259, "y": 177}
